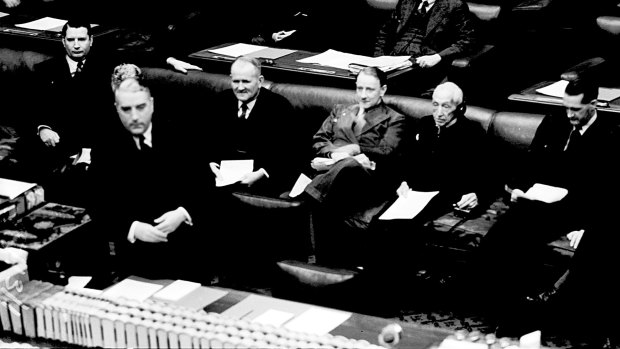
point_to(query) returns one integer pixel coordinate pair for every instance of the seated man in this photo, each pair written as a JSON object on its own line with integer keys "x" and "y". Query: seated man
{"x": 156, "y": 230}
{"x": 364, "y": 140}
{"x": 433, "y": 32}
{"x": 74, "y": 93}
{"x": 446, "y": 156}
{"x": 570, "y": 151}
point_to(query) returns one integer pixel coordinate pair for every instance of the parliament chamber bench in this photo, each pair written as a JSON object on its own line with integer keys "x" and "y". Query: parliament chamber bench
{"x": 509, "y": 135}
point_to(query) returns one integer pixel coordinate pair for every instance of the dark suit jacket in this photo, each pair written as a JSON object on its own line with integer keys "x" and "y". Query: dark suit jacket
{"x": 73, "y": 107}
{"x": 452, "y": 162}
{"x": 127, "y": 187}
{"x": 449, "y": 32}
{"x": 267, "y": 132}
{"x": 588, "y": 174}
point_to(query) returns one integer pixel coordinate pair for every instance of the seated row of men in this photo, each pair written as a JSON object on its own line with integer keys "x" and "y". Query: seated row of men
{"x": 154, "y": 196}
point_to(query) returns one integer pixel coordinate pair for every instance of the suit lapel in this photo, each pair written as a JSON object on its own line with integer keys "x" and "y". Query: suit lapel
{"x": 375, "y": 117}
{"x": 406, "y": 10}
{"x": 436, "y": 15}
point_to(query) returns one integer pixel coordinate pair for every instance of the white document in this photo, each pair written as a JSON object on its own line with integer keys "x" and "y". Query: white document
{"x": 177, "y": 290}
{"x": 45, "y": 23}
{"x": 546, "y": 193}
{"x": 132, "y": 289}
{"x": 11, "y": 189}
{"x": 317, "y": 321}
{"x": 300, "y": 185}
{"x": 78, "y": 282}
{"x": 231, "y": 171}
{"x": 409, "y": 207}
{"x": 82, "y": 157}
{"x": 273, "y": 317}
{"x": 2, "y": 14}
{"x": 333, "y": 58}
{"x": 557, "y": 90}
{"x": 237, "y": 50}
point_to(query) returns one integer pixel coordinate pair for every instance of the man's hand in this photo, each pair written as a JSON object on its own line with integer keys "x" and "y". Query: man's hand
{"x": 351, "y": 149}
{"x": 517, "y": 194}
{"x": 428, "y": 61}
{"x": 281, "y": 35}
{"x": 11, "y": 3}
{"x": 148, "y": 233}
{"x": 252, "y": 177}
{"x": 403, "y": 190}
{"x": 49, "y": 137}
{"x": 215, "y": 168}
{"x": 468, "y": 201}
{"x": 170, "y": 221}
{"x": 575, "y": 237}
{"x": 181, "y": 66}
{"x": 365, "y": 161}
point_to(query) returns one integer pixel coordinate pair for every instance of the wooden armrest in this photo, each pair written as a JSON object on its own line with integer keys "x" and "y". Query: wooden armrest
{"x": 267, "y": 201}
{"x": 465, "y": 62}
{"x": 586, "y": 67}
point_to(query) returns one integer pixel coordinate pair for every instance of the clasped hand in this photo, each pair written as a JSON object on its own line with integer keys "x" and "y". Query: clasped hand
{"x": 428, "y": 61}
{"x": 166, "y": 224}
{"x": 575, "y": 237}
{"x": 49, "y": 137}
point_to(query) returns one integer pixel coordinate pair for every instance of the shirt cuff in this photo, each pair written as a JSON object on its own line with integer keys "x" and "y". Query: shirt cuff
{"x": 42, "y": 127}
{"x": 264, "y": 172}
{"x": 169, "y": 60}
{"x": 131, "y": 237}
{"x": 188, "y": 218}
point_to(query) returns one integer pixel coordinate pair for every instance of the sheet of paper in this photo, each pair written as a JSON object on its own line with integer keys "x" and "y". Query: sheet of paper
{"x": 78, "y": 282}
{"x": 546, "y": 193}
{"x": 318, "y": 320}
{"x": 2, "y": 14}
{"x": 176, "y": 290}
{"x": 333, "y": 58}
{"x": 557, "y": 88}
{"x": 409, "y": 207}
{"x": 273, "y": 317}
{"x": 237, "y": 50}
{"x": 11, "y": 189}
{"x": 231, "y": 171}
{"x": 300, "y": 185}
{"x": 45, "y": 23}
{"x": 270, "y": 53}
{"x": 132, "y": 289}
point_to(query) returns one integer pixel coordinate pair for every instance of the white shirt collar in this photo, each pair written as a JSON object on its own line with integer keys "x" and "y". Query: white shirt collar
{"x": 250, "y": 107}
{"x": 148, "y": 137}
{"x": 590, "y": 122}
{"x": 430, "y": 4}
{"x": 73, "y": 64}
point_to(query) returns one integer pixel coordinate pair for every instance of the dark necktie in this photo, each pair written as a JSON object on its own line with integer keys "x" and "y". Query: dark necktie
{"x": 423, "y": 8}
{"x": 144, "y": 148}
{"x": 574, "y": 139}
{"x": 244, "y": 110}
{"x": 78, "y": 69}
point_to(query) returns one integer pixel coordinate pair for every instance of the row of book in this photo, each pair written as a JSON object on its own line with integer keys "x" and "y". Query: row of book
{"x": 92, "y": 319}
{"x": 13, "y": 207}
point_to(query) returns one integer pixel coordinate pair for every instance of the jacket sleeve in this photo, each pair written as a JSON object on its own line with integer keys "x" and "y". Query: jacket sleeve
{"x": 322, "y": 140}
{"x": 386, "y": 32}
{"x": 464, "y": 31}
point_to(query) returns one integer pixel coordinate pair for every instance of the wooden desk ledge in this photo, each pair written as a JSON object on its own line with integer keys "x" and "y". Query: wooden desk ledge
{"x": 314, "y": 275}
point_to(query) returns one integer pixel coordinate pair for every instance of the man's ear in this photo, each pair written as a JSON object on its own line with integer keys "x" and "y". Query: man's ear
{"x": 261, "y": 79}
{"x": 92, "y": 39}
{"x": 383, "y": 90}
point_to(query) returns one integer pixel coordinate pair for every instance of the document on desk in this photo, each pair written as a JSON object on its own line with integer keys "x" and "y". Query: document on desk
{"x": 333, "y": 58}
{"x": 318, "y": 320}
{"x": 237, "y": 50}
{"x": 409, "y": 207}
{"x": 546, "y": 193}
{"x": 557, "y": 88}
{"x": 11, "y": 189}
{"x": 231, "y": 171}
{"x": 2, "y": 14}
{"x": 45, "y": 23}
{"x": 132, "y": 289}
{"x": 271, "y": 53}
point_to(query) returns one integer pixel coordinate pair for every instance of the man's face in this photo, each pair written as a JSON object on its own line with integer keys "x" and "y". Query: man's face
{"x": 369, "y": 90}
{"x": 245, "y": 81}
{"x": 578, "y": 113}
{"x": 135, "y": 109}
{"x": 77, "y": 43}
{"x": 443, "y": 107}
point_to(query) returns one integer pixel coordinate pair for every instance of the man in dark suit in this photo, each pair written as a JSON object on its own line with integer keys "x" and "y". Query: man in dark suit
{"x": 74, "y": 91}
{"x": 149, "y": 191}
{"x": 573, "y": 151}
{"x": 252, "y": 123}
{"x": 433, "y": 32}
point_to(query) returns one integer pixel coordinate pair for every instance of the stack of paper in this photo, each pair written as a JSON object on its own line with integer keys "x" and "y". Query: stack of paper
{"x": 557, "y": 88}
{"x": 355, "y": 63}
